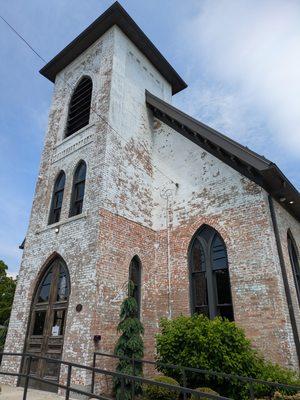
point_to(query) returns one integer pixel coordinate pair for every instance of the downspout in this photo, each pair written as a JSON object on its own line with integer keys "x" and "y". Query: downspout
{"x": 166, "y": 194}
{"x": 285, "y": 278}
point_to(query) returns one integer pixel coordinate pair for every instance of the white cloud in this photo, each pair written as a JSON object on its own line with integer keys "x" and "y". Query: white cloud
{"x": 252, "y": 47}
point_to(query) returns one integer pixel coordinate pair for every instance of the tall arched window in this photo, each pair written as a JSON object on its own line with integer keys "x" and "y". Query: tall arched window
{"x": 80, "y": 106}
{"x": 209, "y": 275}
{"x": 78, "y": 189}
{"x": 294, "y": 262}
{"x": 135, "y": 277}
{"x": 57, "y": 198}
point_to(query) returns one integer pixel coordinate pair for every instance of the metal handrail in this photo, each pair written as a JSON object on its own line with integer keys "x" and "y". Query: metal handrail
{"x": 122, "y": 377}
{"x": 184, "y": 369}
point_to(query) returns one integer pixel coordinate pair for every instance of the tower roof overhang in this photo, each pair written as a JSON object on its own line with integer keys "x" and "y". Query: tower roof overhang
{"x": 252, "y": 165}
{"x": 114, "y": 15}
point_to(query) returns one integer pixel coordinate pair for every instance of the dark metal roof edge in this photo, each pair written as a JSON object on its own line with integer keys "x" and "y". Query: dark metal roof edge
{"x": 271, "y": 178}
{"x": 114, "y": 15}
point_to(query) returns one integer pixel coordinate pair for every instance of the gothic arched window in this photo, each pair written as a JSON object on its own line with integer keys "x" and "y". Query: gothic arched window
{"x": 78, "y": 189}
{"x": 209, "y": 275}
{"x": 57, "y": 198}
{"x": 294, "y": 263}
{"x": 135, "y": 277}
{"x": 80, "y": 106}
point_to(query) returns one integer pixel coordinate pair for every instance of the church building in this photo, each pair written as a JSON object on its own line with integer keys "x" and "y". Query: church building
{"x": 131, "y": 187}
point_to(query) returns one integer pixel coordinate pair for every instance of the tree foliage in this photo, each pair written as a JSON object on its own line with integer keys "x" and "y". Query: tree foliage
{"x": 129, "y": 345}
{"x": 215, "y": 345}
{"x": 7, "y": 291}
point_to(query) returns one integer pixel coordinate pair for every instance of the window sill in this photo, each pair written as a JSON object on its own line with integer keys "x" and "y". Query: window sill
{"x": 57, "y": 225}
{"x": 75, "y": 134}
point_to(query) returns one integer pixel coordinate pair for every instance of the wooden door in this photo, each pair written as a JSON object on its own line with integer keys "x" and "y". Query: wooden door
{"x": 47, "y": 324}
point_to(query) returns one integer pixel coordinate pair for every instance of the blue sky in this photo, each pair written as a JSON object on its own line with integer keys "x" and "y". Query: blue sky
{"x": 240, "y": 59}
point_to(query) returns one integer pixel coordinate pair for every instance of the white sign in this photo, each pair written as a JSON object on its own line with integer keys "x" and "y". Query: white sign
{"x": 55, "y": 330}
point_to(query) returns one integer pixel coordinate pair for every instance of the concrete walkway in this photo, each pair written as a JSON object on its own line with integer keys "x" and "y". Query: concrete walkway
{"x": 16, "y": 393}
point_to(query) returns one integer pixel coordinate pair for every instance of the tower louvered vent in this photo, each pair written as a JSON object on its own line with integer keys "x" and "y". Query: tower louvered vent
{"x": 80, "y": 106}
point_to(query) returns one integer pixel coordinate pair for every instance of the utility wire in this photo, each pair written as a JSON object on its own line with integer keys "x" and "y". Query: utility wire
{"x": 21, "y": 37}
{"x": 95, "y": 111}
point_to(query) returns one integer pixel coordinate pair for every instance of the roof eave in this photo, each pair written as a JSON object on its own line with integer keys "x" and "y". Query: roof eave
{"x": 255, "y": 167}
{"x": 114, "y": 15}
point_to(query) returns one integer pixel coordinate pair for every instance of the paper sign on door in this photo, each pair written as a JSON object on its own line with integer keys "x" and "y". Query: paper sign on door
{"x": 55, "y": 330}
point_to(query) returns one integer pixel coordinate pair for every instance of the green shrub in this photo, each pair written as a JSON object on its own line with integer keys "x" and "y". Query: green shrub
{"x": 215, "y": 345}
{"x": 280, "y": 396}
{"x": 204, "y": 390}
{"x": 129, "y": 345}
{"x": 153, "y": 392}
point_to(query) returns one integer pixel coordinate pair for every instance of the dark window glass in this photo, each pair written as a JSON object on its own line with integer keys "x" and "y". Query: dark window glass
{"x": 39, "y": 322}
{"x": 57, "y": 198}
{"x": 44, "y": 290}
{"x": 294, "y": 263}
{"x": 80, "y": 106}
{"x": 78, "y": 189}
{"x": 135, "y": 277}
{"x": 219, "y": 257}
{"x": 210, "y": 281}
{"x": 63, "y": 286}
{"x": 198, "y": 257}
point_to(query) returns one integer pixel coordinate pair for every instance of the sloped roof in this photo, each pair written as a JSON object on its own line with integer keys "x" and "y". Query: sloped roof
{"x": 252, "y": 165}
{"x": 114, "y": 15}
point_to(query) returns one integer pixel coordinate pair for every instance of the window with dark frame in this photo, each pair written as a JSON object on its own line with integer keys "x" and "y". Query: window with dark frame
{"x": 57, "y": 198}
{"x": 209, "y": 275}
{"x": 293, "y": 254}
{"x": 80, "y": 106}
{"x": 135, "y": 278}
{"x": 78, "y": 189}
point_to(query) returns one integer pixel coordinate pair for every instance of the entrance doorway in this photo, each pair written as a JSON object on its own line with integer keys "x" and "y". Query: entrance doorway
{"x": 47, "y": 323}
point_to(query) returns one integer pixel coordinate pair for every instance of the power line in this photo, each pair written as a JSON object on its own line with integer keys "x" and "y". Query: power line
{"x": 21, "y": 37}
{"x": 95, "y": 111}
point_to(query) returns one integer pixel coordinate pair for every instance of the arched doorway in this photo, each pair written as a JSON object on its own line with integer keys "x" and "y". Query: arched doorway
{"x": 47, "y": 322}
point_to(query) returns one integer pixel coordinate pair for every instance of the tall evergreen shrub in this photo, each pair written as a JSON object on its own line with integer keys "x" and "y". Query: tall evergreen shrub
{"x": 129, "y": 345}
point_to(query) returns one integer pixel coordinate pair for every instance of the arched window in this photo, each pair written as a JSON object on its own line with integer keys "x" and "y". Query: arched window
{"x": 209, "y": 275}
{"x": 57, "y": 198}
{"x": 135, "y": 277}
{"x": 78, "y": 189}
{"x": 80, "y": 105}
{"x": 294, "y": 262}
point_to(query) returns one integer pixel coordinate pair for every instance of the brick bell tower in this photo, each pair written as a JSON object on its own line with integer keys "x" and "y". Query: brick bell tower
{"x": 92, "y": 212}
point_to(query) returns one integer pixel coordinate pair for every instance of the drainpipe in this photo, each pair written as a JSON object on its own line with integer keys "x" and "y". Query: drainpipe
{"x": 166, "y": 194}
{"x": 285, "y": 278}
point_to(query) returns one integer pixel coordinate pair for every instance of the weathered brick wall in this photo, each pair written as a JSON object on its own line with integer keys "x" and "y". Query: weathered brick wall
{"x": 212, "y": 193}
{"x": 132, "y": 207}
{"x": 286, "y": 222}
{"x": 77, "y": 239}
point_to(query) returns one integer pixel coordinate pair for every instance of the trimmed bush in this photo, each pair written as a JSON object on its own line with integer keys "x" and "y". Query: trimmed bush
{"x": 153, "y": 392}
{"x": 216, "y": 345}
{"x": 204, "y": 390}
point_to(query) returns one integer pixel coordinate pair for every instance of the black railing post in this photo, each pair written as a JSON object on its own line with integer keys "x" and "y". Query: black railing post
{"x": 68, "y": 381}
{"x": 93, "y": 373}
{"x": 184, "y": 382}
{"x": 27, "y": 373}
{"x": 132, "y": 382}
{"x": 122, "y": 388}
{"x": 251, "y": 390}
